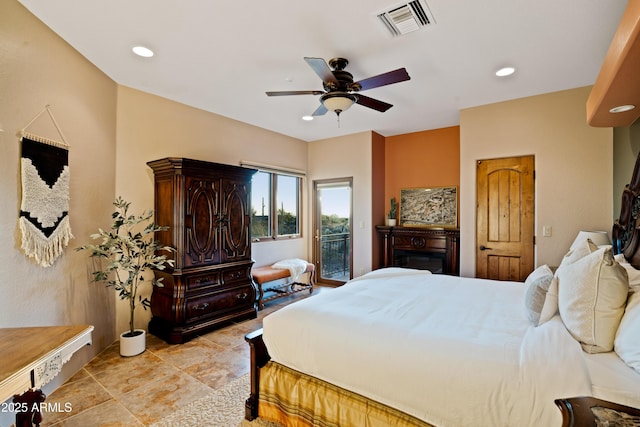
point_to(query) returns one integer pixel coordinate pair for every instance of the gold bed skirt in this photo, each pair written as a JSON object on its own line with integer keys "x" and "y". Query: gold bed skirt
{"x": 293, "y": 399}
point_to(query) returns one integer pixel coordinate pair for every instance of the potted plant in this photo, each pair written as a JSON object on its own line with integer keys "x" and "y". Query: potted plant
{"x": 129, "y": 249}
{"x": 393, "y": 212}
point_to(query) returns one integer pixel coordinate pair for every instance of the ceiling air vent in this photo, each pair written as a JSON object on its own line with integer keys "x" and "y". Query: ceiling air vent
{"x": 406, "y": 18}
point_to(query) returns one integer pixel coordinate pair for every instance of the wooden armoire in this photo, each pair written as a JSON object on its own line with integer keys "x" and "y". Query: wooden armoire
{"x": 207, "y": 209}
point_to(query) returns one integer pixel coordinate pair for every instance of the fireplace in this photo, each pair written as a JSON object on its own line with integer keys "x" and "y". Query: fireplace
{"x": 432, "y": 261}
{"x": 435, "y": 250}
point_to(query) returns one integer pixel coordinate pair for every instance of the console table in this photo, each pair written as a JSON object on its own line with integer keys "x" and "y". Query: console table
{"x": 436, "y": 250}
{"x": 31, "y": 357}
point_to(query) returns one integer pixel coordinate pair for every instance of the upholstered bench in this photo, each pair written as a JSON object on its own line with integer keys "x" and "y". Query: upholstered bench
{"x": 263, "y": 276}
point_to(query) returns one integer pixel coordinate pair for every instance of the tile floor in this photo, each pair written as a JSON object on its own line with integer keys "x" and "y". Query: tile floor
{"x": 138, "y": 391}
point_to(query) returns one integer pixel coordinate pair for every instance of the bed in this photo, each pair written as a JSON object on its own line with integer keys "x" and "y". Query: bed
{"x": 406, "y": 347}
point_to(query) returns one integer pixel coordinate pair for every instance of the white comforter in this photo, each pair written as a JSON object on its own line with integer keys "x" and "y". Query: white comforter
{"x": 451, "y": 351}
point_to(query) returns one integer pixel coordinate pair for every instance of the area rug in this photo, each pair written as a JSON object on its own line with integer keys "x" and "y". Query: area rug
{"x": 222, "y": 408}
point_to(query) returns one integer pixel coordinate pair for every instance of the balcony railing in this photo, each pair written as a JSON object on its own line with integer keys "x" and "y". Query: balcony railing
{"x": 335, "y": 255}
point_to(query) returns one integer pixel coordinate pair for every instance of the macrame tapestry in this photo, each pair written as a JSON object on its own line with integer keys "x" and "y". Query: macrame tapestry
{"x": 44, "y": 211}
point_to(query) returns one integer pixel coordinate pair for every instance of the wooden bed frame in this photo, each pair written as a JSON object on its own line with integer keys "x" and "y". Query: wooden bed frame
{"x": 626, "y": 230}
{"x": 625, "y": 238}
{"x": 259, "y": 358}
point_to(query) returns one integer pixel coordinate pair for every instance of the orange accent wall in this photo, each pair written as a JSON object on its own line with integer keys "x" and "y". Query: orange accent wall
{"x": 378, "y": 197}
{"x": 421, "y": 159}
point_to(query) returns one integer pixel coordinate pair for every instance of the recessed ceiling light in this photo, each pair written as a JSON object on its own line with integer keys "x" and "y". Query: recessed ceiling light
{"x": 622, "y": 108}
{"x": 506, "y": 71}
{"x": 145, "y": 52}
{"x": 307, "y": 118}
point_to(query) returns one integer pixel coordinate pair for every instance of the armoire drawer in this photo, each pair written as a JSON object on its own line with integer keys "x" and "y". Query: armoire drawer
{"x": 235, "y": 274}
{"x": 219, "y": 301}
{"x": 211, "y": 278}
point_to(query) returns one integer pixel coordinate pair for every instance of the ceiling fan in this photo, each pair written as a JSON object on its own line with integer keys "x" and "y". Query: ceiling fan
{"x": 340, "y": 91}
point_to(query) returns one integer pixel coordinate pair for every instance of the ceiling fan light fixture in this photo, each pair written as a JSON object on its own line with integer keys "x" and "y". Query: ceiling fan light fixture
{"x": 337, "y": 101}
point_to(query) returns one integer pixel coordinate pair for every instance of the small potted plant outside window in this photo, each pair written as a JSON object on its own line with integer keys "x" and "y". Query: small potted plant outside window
{"x": 393, "y": 212}
{"x": 130, "y": 250}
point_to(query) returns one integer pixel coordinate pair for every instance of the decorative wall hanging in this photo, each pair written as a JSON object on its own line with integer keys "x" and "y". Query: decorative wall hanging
{"x": 429, "y": 207}
{"x": 44, "y": 210}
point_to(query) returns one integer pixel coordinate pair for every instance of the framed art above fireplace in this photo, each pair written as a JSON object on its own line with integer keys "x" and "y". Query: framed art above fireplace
{"x": 429, "y": 207}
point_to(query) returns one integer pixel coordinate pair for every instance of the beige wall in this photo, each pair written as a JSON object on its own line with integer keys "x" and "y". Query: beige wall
{"x": 150, "y": 128}
{"x": 37, "y": 68}
{"x": 343, "y": 157}
{"x": 573, "y": 167}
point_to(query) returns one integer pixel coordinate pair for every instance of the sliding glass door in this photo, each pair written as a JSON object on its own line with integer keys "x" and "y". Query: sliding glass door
{"x": 332, "y": 230}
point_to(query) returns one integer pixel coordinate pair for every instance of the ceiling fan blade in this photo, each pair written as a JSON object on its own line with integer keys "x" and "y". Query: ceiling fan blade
{"x": 391, "y": 77}
{"x": 320, "y": 111}
{"x": 375, "y": 104}
{"x": 322, "y": 69}
{"x": 295, "y": 92}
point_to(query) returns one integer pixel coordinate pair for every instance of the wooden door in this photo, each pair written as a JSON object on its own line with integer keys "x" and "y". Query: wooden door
{"x": 505, "y": 218}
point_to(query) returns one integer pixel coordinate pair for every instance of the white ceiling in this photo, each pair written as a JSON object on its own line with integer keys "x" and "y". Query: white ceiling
{"x": 221, "y": 56}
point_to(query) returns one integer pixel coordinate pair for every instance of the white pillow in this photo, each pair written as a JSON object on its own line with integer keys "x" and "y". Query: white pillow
{"x": 592, "y": 293}
{"x": 540, "y": 300}
{"x": 634, "y": 274}
{"x": 627, "y": 343}
{"x": 581, "y": 250}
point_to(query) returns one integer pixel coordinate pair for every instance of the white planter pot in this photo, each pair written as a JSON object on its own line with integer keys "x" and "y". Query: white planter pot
{"x": 391, "y": 222}
{"x": 132, "y": 346}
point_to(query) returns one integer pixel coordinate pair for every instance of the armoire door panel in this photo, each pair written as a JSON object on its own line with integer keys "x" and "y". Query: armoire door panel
{"x": 202, "y": 246}
{"x": 236, "y": 238}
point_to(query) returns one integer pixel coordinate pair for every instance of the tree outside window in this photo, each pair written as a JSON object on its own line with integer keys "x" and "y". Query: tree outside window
{"x": 275, "y": 206}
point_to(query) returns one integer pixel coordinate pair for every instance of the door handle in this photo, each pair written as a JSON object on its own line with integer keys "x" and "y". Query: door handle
{"x": 484, "y": 248}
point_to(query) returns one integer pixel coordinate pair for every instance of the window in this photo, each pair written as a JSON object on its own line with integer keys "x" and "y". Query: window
{"x": 261, "y": 205}
{"x": 275, "y": 206}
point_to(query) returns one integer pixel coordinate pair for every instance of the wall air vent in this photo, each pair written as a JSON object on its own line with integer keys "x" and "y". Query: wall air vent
{"x": 406, "y": 18}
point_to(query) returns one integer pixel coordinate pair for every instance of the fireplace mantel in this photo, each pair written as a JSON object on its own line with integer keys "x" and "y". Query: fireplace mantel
{"x": 436, "y": 250}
